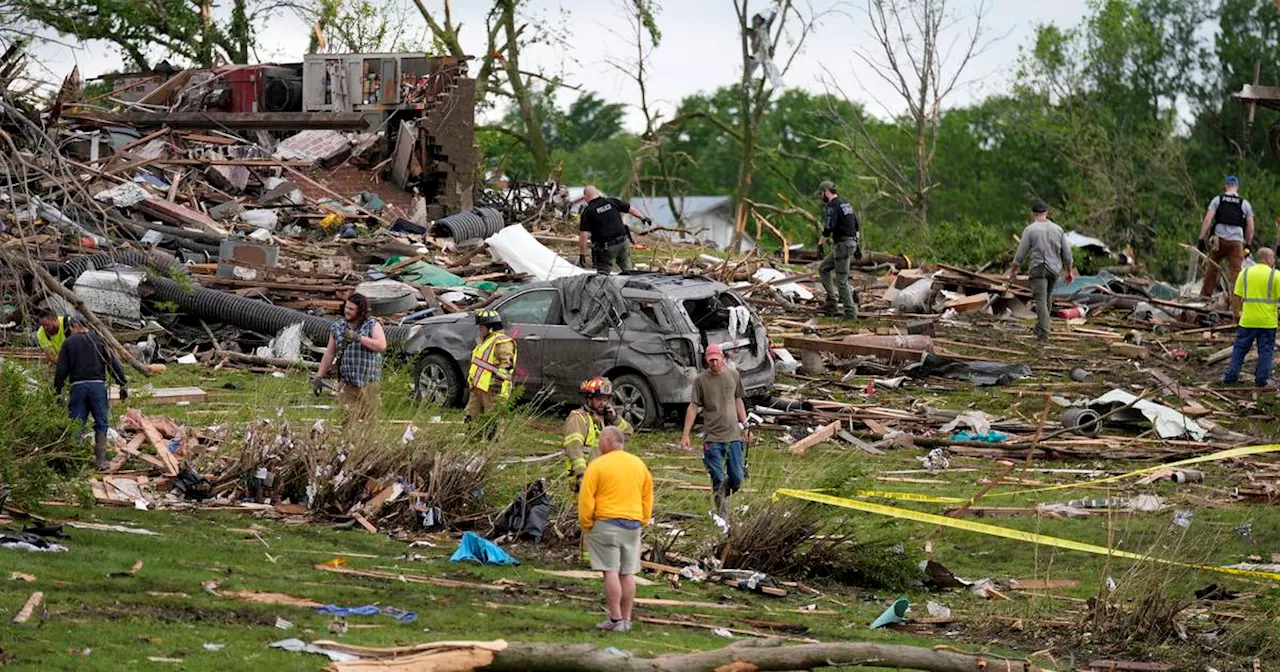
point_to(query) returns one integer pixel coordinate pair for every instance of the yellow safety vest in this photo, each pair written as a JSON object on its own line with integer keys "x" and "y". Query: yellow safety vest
{"x": 590, "y": 442}
{"x": 1259, "y": 297}
{"x": 53, "y": 344}
{"x": 484, "y": 365}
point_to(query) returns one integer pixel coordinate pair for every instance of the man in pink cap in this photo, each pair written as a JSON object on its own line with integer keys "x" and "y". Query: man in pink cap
{"x": 718, "y": 393}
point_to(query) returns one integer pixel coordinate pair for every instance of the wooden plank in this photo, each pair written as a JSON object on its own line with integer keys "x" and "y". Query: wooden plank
{"x": 969, "y": 304}
{"x": 712, "y": 626}
{"x": 161, "y": 446}
{"x": 364, "y": 522}
{"x": 132, "y": 449}
{"x": 411, "y": 578}
{"x": 168, "y": 395}
{"x": 1043, "y": 584}
{"x": 824, "y": 433}
{"x": 29, "y": 608}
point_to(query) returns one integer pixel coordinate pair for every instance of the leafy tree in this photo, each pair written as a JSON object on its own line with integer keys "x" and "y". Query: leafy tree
{"x": 185, "y": 28}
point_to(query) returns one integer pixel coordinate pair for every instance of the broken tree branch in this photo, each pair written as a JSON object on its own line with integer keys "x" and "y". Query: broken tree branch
{"x": 51, "y": 283}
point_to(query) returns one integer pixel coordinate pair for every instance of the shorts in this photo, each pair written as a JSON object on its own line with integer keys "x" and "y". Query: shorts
{"x": 614, "y": 549}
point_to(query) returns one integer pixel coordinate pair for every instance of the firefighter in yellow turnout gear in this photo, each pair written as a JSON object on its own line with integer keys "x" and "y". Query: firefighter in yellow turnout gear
{"x": 493, "y": 364}
{"x": 583, "y": 426}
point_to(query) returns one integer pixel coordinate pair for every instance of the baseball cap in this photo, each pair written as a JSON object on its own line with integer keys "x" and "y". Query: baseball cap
{"x": 1039, "y": 206}
{"x": 714, "y": 351}
{"x": 825, "y": 185}
{"x": 1232, "y": 180}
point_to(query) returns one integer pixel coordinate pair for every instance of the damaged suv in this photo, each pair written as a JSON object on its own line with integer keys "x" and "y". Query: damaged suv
{"x": 647, "y": 333}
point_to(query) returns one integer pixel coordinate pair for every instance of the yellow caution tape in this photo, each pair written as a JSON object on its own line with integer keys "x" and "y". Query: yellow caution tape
{"x": 911, "y": 497}
{"x": 1212, "y": 457}
{"x": 1007, "y": 533}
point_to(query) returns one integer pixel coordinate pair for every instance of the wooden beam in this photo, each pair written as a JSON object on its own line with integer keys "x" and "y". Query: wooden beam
{"x": 824, "y": 433}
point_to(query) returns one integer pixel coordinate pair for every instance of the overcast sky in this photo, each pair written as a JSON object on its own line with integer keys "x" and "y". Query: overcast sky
{"x": 699, "y": 51}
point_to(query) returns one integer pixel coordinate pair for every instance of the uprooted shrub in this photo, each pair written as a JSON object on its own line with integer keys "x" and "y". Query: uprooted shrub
{"x": 38, "y": 442}
{"x": 385, "y": 481}
{"x": 797, "y": 540}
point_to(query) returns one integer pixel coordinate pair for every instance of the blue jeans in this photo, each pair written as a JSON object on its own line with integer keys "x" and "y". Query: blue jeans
{"x": 89, "y": 398}
{"x": 714, "y": 456}
{"x": 1245, "y": 336}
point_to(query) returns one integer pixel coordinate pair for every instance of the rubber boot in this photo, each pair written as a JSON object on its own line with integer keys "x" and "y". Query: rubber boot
{"x": 831, "y": 308}
{"x": 100, "y": 449}
{"x": 851, "y": 313}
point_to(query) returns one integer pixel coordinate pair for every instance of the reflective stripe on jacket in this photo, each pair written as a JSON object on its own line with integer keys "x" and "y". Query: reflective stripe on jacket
{"x": 485, "y": 364}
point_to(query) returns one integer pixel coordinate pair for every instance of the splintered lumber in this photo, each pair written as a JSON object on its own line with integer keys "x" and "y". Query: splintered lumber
{"x": 970, "y": 303}
{"x": 767, "y": 654}
{"x": 162, "y": 448}
{"x": 823, "y": 433}
{"x": 594, "y": 576}
{"x": 168, "y": 395}
{"x": 1043, "y": 584}
{"x": 411, "y": 578}
{"x": 29, "y": 608}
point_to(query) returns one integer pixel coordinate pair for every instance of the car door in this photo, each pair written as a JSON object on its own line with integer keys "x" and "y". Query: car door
{"x": 525, "y": 316}
{"x": 570, "y": 358}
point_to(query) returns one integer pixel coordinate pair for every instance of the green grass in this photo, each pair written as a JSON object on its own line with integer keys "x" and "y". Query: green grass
{"x": 120, "y": 624}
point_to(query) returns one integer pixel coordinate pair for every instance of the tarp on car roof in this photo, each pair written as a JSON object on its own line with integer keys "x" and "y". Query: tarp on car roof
{"x": 592, "y": 304}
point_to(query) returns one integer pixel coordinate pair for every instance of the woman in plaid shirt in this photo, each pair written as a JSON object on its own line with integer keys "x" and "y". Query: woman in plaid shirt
{"x": 356, "y": 343}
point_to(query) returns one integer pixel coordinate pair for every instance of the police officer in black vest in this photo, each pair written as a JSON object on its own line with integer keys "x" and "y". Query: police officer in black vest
{"x": 840, "y": 226}
{"x": 1231, "y": 219}
{"x": 601, "y": 218}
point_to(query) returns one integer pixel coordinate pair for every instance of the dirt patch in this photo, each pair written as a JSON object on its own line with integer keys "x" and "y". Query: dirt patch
{"x": 178, "y": 614}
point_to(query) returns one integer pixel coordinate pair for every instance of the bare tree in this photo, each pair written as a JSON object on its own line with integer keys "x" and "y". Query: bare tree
{"x": 507, "y": 34}
{"x": 780, "y": 24}
{"x": 644, "y": 36}
{"x": 340, "y": 26}
{"x": 920, "y": 50}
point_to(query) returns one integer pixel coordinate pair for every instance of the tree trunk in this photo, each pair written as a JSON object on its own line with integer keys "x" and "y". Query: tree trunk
{"x": 51, "y": 283}
{"x": 921, "y": 196}
{"x": 524, "y": 94}
{"x": 738, "y": 657}
{"x": 240, "y": 33}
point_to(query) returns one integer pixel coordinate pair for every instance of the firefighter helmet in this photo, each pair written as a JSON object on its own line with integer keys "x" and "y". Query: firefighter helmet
{"x": 488, "y": 318}
{"x": 597, "y": 386}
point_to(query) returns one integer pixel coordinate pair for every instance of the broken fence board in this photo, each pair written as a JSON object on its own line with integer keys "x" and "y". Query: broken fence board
{"x": 824, "y": 433}
{"x": 29, "y": 608}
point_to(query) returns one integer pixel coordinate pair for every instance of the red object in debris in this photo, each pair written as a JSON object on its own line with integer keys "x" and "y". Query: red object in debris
{"x": 1180, "y": 354}
{"x": 1070, "y": 313}
{"x": 870, "y": 390}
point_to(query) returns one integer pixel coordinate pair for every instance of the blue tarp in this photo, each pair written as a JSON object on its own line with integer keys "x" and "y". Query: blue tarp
{"x": 478, "y": 549}
{"x": 369, "y": 610}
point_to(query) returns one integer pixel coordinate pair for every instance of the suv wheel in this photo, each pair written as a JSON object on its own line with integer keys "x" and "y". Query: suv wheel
{"x": 634, "y": 400}
{"x": 436, "y": 381}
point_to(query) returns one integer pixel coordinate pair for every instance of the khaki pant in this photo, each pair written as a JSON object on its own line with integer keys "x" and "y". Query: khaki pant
{"x": 613, "y": 548}
{"x": 360, "y": 405}
{"x": 480, "y": 403}
{"x": 1232, "y": 251}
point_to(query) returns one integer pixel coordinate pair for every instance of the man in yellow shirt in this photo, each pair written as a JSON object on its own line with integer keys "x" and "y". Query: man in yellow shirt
{"x": 1254, "y": 302}
{"x": 615, "y": 501}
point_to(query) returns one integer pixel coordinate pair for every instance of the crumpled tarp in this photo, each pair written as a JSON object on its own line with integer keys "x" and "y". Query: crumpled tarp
{"x": 527, "y": 516}
{"x": 296, "y": 645}
{"x": 369, "y": 610}
{"x": 517, "y": 248}
{"x": 478, "y": 549}
{"x": 592, "y": 304}
{"x": 422, "y": 273}
{"x": 979, "y": 373}
{"x": 1169, "y": 424}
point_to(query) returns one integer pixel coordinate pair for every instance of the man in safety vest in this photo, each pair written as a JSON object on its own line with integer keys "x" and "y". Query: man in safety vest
{"x": 53, "y": 332}
{"x": 1257, "y": 293}
{"x": 583, "y": 426}
{"x": 493, "y": 363}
